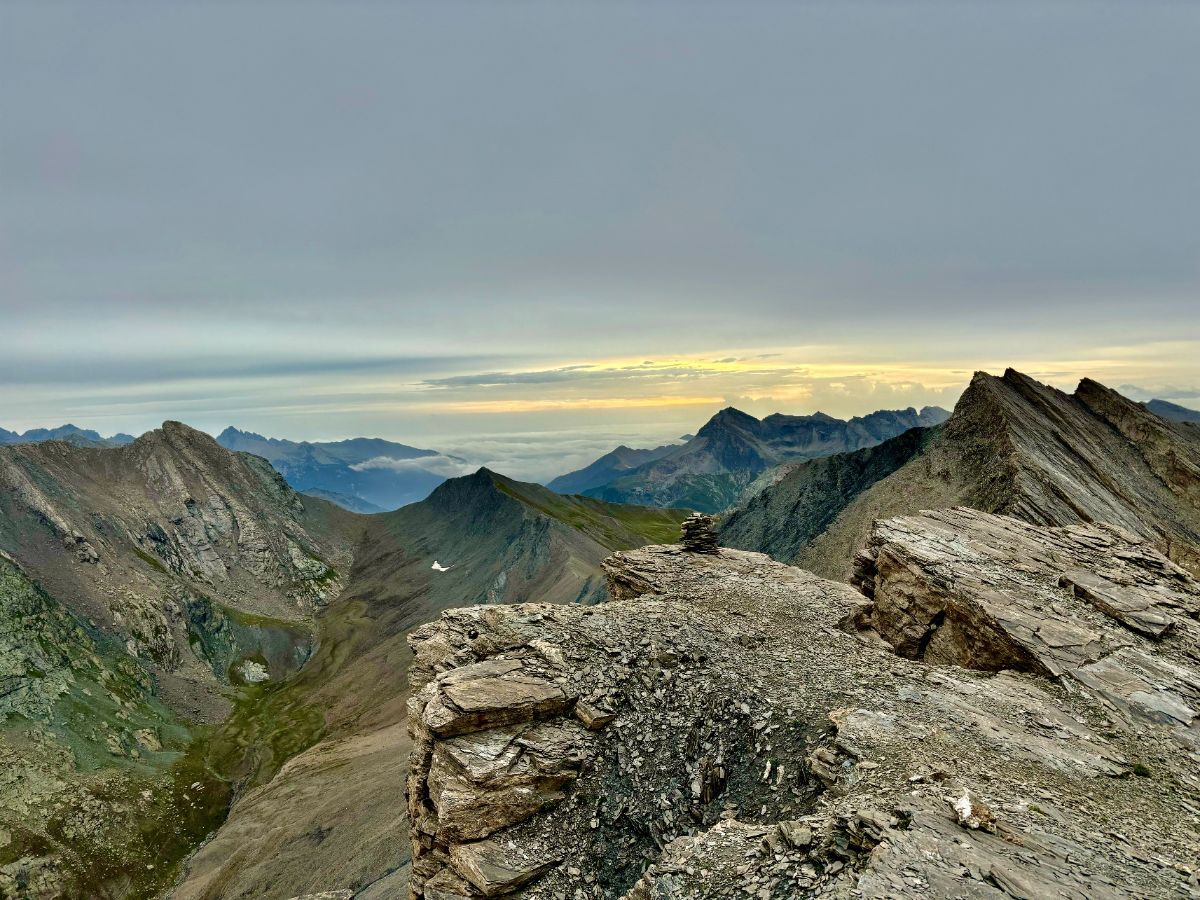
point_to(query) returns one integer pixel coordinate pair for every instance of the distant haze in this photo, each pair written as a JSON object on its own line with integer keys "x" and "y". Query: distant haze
{"x": 527, "y": 232}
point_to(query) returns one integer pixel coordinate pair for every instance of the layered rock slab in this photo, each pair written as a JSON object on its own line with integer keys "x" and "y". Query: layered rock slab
{"x": 743, "y": 742}
{"x": 1092, "y": 605}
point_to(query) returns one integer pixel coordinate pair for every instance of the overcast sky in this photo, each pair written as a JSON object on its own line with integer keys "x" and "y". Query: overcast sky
{"x": 561, "y": 224}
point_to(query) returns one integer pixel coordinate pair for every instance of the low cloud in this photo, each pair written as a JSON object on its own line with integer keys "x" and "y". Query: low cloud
{"x": 543, "y": 455}
{"x": 1175, "y": 393}
{"x": 445, "y": 466}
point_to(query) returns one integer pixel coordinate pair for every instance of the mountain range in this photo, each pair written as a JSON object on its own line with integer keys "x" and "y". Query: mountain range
{"x": 205, "y": 673}
{"x": 70, "y": 433}
{"x": 710, "y": 471}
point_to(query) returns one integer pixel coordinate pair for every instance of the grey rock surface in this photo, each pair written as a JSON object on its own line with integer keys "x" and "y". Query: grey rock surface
{"x": 766, "y": 741}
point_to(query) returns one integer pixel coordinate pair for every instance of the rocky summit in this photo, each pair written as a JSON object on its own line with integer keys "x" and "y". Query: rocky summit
{"x": 729, "y": 726}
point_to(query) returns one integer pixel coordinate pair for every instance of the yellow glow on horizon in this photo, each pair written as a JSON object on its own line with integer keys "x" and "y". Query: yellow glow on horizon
{"x": 514, "y": 406}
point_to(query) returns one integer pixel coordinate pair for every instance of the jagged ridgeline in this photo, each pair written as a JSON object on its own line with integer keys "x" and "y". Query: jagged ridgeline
{"x": 176, "y": 622}
{"x": 1011, "y": 446}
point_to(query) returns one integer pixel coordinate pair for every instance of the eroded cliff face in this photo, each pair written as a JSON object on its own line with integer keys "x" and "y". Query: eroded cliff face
{"x": 185, "y": 507}
{"x": 196, "y": 559}
{"x": 731, "y": 726}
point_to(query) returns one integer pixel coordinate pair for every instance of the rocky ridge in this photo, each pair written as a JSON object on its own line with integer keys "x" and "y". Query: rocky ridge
{"x": 148, "y": 537}
{"x": 731, "y": 726}
{"x": 1011, "y": 446}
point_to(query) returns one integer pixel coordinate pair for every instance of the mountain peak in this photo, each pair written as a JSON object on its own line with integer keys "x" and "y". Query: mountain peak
{"x": 230, "y": 432}
{"x": 181, "y": 429}
{"x": 729, "y": 417}
{"x": 734, "y": 414}
{"x": 178, "y": 435}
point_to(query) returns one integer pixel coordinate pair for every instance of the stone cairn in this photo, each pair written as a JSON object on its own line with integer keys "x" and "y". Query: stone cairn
{"x": 698, "y": 534}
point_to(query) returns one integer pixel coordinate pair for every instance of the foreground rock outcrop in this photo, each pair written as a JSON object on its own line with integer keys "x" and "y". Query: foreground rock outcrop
{"x": 731, "y": 726}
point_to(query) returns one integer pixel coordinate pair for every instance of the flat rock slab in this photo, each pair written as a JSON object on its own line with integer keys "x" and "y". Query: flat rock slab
{"x": 491, "y": 693}
{"x": 495, "y": 869}
{"x": 990, "y": 592}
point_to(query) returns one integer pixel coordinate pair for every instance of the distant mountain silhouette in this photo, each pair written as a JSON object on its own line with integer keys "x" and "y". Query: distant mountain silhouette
{"x": 1173, "y": 411}
{"x": 351, "y": 473}
{"x": 608, "y": 467}
{"x": 83, "y": 437}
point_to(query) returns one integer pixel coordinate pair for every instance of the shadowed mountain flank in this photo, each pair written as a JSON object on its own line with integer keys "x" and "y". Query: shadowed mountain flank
{"x": 609, "y": 467}
{"x": 1012, "y": 446}
{"x": 710, "y": 471}
{"x": 1173, "y": 411}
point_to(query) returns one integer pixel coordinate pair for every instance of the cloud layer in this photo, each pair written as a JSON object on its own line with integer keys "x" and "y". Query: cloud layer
{"x": 445, "y": 466}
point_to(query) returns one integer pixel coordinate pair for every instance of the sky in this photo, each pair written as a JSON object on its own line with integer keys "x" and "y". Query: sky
{"x": 524, "y": 232}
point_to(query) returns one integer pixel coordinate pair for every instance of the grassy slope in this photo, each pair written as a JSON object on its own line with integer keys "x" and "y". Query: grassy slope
{"x": 615, "y": 526}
